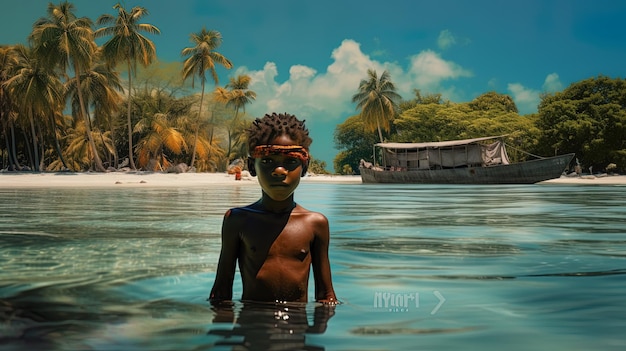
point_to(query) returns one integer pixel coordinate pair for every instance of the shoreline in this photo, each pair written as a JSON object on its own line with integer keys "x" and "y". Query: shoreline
{"x": 156, "y": 179}
{"x": 13, "y": 180}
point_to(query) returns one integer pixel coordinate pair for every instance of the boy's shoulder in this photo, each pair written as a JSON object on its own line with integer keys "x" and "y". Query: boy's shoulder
{"x": 238, "y": 211}
{"x": 312, "y": 215}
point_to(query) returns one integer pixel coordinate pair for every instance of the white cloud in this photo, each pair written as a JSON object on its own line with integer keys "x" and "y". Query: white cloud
{"x": 308, "y": 93}
{"x": 427, "y": 70}
{"x": 327, "y": 95}
{"x": 552, "y": 83}
{"x": 445, "y": 39}
{"x": 324, "y": 97}
{"x": 526, "y": 99}
{"x": 298, "y": 72}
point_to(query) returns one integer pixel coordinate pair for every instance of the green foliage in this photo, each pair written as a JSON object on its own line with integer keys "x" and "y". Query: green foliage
{"x": 490, "y": 114}
{"x": 317, "y": 167}
{"x": 352, "y": 137}
{"x": 493, "y": 101}
{"x": 127, "y": 44}
{"x": 347, "y": 169}
{"x": 420, "y": 100}
{"x": 589, "y": 119}
{"x": 378, "y": 101}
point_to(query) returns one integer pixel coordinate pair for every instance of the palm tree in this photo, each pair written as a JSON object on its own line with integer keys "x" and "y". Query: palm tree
{"x": 201, "y": 58}
{"x": 237, "y": 96}
{"x": 241, "y": 95}
{"x": 378, "y": 101}
{"x": 128, "y": 45}
{"x": 8, "y": 63}
{"x": 101, "y": 86}
{"x": 78, "y": 152}
{"x": 158, "y": 134}
{"x": 63, "y": 39}
{"x": 238, "y": 136}
{"x": 208, "y": 150}
{"x": 37, "y": 92}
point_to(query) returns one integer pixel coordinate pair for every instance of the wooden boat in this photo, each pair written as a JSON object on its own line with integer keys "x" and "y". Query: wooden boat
{"x": 470, "y": 161}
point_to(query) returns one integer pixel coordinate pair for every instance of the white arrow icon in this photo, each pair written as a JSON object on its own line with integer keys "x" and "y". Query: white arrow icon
{"x": 441, "y": 302}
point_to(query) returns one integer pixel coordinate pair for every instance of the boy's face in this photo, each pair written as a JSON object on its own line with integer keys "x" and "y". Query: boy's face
{"x": 278, "y": 172}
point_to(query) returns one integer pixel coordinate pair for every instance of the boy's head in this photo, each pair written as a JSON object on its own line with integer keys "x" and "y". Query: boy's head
{"x": 264, "y": 131}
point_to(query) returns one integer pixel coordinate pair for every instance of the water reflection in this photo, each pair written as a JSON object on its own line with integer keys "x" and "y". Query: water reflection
{"x": 268, "y": 326}
{"x": 130, "y": 269}
{"x": 429, "y": 246}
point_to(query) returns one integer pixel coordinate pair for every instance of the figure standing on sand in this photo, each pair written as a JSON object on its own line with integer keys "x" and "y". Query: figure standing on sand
{"x": 275, "y": 241}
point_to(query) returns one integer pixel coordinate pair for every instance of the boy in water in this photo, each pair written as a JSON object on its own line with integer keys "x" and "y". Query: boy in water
{"x": 274, "y": 240}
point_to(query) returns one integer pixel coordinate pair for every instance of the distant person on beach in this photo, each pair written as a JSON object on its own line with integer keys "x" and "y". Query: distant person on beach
{"x": 275, "y": 241}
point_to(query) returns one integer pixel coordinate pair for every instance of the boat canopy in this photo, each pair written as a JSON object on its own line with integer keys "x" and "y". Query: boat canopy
{"x": 443, "y": 154}
{"x": 434, "y": 144}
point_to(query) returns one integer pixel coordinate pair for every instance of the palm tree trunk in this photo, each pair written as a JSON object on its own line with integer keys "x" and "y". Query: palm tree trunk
{"x": 212, "y": 126}
{"x": 7, "y": 144}
{"x": 128, "y": 120}
{"x": 230, "y": 136}
{"x": 113, "y": 142}
{"x": 28, "y": 149}
{"x": 14, "y": 148}
{"x": 35, "y": 160}
{"x": 42, "y": 150}
{"x": 83, "y": 110}
{"x": 195, "y": 138}
{"x": 382, "y": 115}
{"x": 57, "y": 146}
{"x": 380, "y": 133}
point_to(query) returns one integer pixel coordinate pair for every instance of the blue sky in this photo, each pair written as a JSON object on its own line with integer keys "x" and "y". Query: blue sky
{"x": 307, "y": 57}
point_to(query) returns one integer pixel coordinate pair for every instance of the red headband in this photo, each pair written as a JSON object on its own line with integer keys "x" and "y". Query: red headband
{"x": 296, "y": 151}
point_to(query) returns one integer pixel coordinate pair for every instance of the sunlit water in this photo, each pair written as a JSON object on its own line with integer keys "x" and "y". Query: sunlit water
{"x": 417, "y": 267}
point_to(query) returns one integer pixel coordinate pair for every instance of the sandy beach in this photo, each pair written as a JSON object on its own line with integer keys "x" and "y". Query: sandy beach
{"x": 589, "y": 180}
{"x": 143, "y": 179}
{"x": 150, "y": 179}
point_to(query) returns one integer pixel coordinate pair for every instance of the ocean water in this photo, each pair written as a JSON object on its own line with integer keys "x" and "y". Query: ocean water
{"x": 523, "y": 267}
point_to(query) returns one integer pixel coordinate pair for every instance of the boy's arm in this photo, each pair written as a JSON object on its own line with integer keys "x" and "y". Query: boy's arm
{"x": 324, "y": 291}
{"x": 223, "y": 285}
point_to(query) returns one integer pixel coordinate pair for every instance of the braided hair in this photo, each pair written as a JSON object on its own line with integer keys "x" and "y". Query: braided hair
{"x": 264, "y": 130}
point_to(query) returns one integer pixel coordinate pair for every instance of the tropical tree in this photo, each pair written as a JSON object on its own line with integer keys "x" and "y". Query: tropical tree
{"x": 127, "y": 44}
{"x": 37, "y": 92}
{"x": 589, "y": 119}
{"x": 447, "y": 121}
{"x": 201, "y": 58}
{"x": 101, "y": 87}
{"x": 378, "y": 101}
{"x": 63, "y": 39}
{"x": 61, "y": 124}
{"x": 159, "y": 134}
{"x": 421, "y": 99}
{"x": 354, "y": 142}
{"x": 78, "y": 152}
{"x": 238, "y": 96}
{"x": 493, "y": 101}
{"x": 164, "y": 130}
{"x": 8, "y": 115}
{"x": 209, "y": 153}
{"x": 237, "y": 141}
{"x": 240, "y": 93}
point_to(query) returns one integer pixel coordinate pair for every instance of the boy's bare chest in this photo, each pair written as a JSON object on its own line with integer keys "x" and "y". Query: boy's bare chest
{"x": 268, "y": 239}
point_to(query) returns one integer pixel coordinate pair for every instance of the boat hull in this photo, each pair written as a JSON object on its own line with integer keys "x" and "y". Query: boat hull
{"x": 528, "y": 172}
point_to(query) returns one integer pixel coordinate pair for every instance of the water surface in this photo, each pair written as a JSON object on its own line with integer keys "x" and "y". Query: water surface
{"x": 417, "y": 267}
